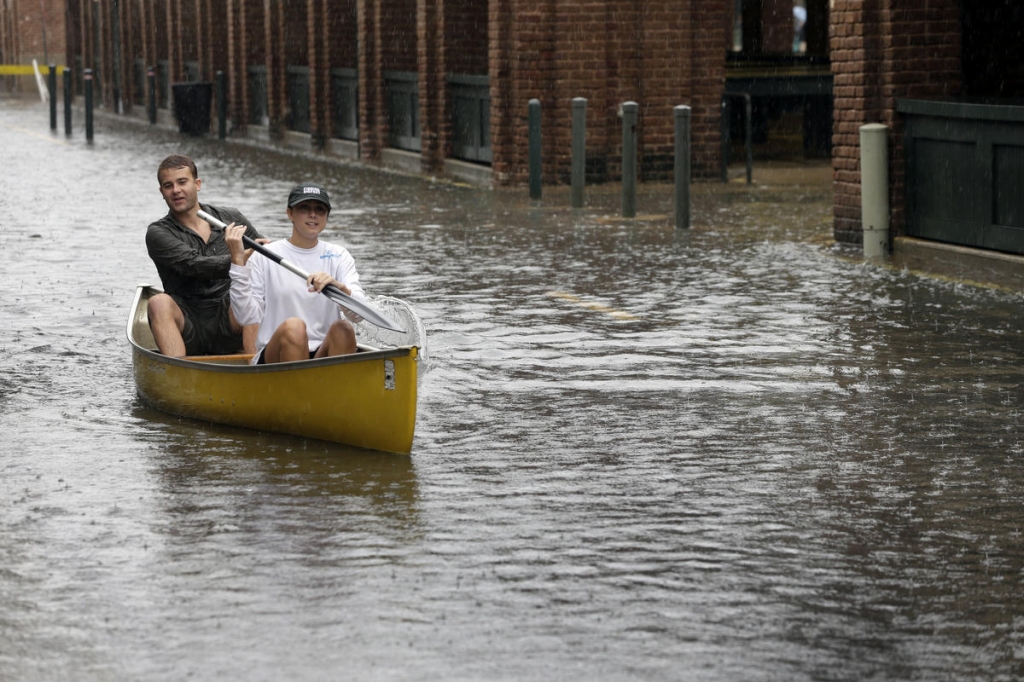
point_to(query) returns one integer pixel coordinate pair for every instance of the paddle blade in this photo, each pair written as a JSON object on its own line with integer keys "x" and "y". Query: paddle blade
{"x": 359, "y": 308}
{"x": 401, "y": 312}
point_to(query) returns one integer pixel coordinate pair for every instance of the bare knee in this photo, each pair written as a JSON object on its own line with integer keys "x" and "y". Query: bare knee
{"x": 289, "y": 342}
{"x": 160, "y": 307}
{"x": 166, "y": 322}
{"x": 341, "y": 339}
{"x": 164, "y": 312}
{"x": 293, "y": 332}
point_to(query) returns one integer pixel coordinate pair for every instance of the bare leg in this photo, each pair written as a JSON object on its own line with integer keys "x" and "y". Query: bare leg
{"x": 167, "y": 322}
{"x": 341, "y": 340}
{"x": 248, "y": 332}
{"x": 288, "y": 343}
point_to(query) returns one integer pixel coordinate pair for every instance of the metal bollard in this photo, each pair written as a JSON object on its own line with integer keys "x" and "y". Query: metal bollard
{"x": 51, "y": 85}
{"x": 748, "y": 129}
{"x": 151, "y": 96}
{"x": 726, "y": 133}
{"x": 69, "y": 94}
{"x": 88, "y": 104}
{"x": 682, "y": 166}
{"x": 222, "y": 110}
{"x": 629, "y": 119}
{"x": 535, "y": 149}
{"x": 579, "y": 150}
{"x": 874, "y": 189}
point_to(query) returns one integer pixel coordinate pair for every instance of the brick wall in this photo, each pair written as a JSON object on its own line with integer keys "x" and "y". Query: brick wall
{"x": 318, "y": 59}
{"x": 215, "y": 54}
{"x": 371, "y": 96}
{"x": 583, "y": 66}
{"x": 710, "y": 31}
{"x": 32, "y": 30}
{"x": 387, "y": 42}
{"x": 8, "y": 43}
{"x": 521, "y": 56}
{"x": 465, "y": 36}
{"x": 398, "y": 35}
{"x": 667, "y": 60}
{"x": 508, "y": 115}
{"x": 433, "y": 86}
{"x": 660, "y": 53}
{"x": 332, "y": 44}
{"x": 274, "y": 56}
{"x": 882, "y": 51}
{"x": 297, "y": 27}
{"x": 854, "y": 79}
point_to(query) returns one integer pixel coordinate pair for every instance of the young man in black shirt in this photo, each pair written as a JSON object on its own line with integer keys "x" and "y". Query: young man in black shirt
{"x": 193, "y": 315}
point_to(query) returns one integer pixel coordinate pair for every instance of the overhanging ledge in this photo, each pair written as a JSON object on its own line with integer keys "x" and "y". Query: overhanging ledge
{"x": 990, "y": 110}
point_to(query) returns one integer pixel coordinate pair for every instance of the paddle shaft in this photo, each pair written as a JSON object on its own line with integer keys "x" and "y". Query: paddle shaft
{"x": 330, "y": 291}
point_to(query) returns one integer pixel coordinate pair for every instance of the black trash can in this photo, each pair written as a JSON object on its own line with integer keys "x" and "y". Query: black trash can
{"x": 192, "y": 106}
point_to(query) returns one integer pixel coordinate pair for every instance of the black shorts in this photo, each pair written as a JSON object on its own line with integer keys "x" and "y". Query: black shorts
{"x": 208, "y": 327}
{"x": 261, "y": 361}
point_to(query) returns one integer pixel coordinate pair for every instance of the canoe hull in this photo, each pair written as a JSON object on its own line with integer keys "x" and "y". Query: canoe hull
{"x": 366, "y": 400}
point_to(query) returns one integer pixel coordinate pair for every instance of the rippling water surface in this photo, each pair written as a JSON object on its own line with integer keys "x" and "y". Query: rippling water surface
{"x": 733, "y": 453}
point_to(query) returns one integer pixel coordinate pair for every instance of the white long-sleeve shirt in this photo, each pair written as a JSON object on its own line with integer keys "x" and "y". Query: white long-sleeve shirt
{"x": 266, "y": 293}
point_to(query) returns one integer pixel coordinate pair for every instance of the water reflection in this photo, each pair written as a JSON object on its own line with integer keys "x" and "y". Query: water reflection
{"x": 219, "y": 479}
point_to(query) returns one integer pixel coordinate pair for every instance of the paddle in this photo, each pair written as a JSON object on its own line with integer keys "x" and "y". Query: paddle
{"x": 330, "y": 291}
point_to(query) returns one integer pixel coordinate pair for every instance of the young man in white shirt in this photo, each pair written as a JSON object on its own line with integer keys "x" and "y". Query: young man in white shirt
{"x": 295, "y": 321}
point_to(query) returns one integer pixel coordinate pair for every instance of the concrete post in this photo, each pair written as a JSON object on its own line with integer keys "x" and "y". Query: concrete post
{"x": 68, "y": 95}
{"x": 222, "y": 109}
{"x": 151, "y": 94}
{"x": 748, "y": 129}
{"x": 874, "y": 189}
{"x": 682, "y": 166}
{"x": 51, "y": 85}
{"x": 579, "y": 150}
{"x": 629, "y": 118}
{"x": 726, "y": 131}
{"x": 534, "y": 149}
{"x": 88, "y": 105}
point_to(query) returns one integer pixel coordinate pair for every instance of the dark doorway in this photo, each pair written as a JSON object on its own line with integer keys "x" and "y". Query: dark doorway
{"x": 779, "y": 57}
{"x": 965, "y": 157}
{"x": 993, "y": 48}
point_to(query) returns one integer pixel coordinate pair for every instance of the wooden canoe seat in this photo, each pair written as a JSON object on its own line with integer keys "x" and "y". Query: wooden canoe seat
{"x": 233, "y": 359}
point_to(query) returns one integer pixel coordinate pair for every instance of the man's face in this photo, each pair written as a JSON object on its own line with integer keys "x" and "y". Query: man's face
{"x": 179, "y": 188}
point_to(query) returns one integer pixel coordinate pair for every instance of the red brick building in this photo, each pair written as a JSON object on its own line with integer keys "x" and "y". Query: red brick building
{"x": 881, "y": 52}
{"x": 427, "y": 66}
{"x": 946, "y": 77}
{"x": 30, "y": 30}
{"x": 444, "y": 85}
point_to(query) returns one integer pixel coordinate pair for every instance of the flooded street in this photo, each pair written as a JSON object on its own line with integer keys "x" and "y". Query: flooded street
{"x": 732, "y": 453}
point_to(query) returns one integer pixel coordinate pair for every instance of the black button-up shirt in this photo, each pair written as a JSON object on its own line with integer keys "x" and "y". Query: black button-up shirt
{"x": 188, "y": 266}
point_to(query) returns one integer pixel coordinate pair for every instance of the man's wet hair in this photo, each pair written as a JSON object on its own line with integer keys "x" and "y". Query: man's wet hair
{"x": 177, "y": 161}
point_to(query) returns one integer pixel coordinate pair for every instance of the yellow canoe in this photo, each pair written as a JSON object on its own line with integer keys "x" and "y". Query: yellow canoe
{"x": 367, "y": 399}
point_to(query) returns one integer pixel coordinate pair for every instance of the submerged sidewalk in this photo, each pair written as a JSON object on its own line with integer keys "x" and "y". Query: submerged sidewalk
{"x": 963, "y": 264}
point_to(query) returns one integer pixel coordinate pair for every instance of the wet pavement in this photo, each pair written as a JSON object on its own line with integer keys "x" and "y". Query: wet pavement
{"x": 735, "y": 452}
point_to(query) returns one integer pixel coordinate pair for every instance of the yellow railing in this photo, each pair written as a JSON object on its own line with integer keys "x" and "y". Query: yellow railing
{"x": 25, "y": 69}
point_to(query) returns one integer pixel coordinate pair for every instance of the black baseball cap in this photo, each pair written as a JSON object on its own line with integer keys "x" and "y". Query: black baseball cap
{"x": 309, "y": 191}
